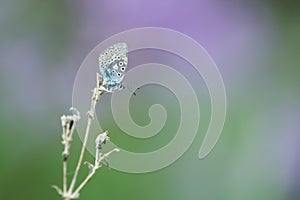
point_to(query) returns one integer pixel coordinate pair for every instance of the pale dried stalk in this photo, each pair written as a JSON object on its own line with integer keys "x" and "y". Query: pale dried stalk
{"x": 68, "y": 124}
{"x": 65, "y": 176}
{"x": 97, "y": 92}
{"x": 65, "y": 158}
{"x": 95, "y": 98}
{"x": 94, "y": 169}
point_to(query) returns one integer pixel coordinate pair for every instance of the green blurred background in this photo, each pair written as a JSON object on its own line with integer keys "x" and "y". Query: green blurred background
{"x": 255, "y": 45}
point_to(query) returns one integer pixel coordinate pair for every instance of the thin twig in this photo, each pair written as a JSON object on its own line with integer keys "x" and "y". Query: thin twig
{"x": 95, "y": 98}
{"x": 65, "y": 176}
{"x": 68, "y": 124}
{"x": 65, "y": 159}
{"x": 94, "y": 169}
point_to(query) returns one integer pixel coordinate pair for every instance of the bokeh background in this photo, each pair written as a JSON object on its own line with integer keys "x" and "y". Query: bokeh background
{"x": 255, "y": 45}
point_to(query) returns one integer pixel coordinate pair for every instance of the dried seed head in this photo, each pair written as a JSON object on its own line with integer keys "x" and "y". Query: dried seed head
{"x": 68, "y": 124}
{"x": 101, "y": 139}
{"x": 68, "y": 121}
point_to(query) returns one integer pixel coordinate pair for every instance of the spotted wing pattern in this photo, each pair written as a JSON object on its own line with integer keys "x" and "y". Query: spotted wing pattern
{"x": 112, "y": 63}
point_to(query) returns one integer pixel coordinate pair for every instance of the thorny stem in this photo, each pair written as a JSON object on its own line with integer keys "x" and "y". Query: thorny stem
{"x": 95, "y": 98}
{"x": 93, "y": 170}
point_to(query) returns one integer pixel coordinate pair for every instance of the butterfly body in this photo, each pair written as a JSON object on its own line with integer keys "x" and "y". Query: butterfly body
{"x": 112, "y": 63}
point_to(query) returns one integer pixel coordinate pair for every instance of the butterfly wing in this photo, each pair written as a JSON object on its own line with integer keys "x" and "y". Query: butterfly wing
{"x": 113, "y": 63}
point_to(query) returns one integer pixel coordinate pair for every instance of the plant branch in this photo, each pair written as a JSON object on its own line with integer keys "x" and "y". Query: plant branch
{"x": 68, "y": 126}
{"x": 65, "y": 176}
{"x": 95, "y": 98}
{"x": 94, "y": 169}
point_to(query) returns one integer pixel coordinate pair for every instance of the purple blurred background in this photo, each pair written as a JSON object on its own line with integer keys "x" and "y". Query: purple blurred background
{"x": 255, "y": 45}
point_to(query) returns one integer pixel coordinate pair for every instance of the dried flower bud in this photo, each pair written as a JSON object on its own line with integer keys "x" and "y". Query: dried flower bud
{"x": 63, "y": 120}
{"x": 101, "y": 139}
{"x": 68, "y": 121}
{"x": 68, "y": 125}
{"x": 89, "y": 165}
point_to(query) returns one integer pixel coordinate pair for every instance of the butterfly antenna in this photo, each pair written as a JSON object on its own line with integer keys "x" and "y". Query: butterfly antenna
{"x": 133, "y": 92}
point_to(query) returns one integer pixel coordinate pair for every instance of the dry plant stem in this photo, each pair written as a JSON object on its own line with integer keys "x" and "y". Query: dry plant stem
{"x": 95, "y": 98}
{"x": 94, "y": 169}
{"x": 65, "y": 159}
{"x": 65, "y": 177}
{"x": 68, "y": 125}
{"x": 66, "y": 198}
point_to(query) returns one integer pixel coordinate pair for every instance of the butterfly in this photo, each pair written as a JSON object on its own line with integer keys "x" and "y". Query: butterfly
{"x": 112, "y": 64}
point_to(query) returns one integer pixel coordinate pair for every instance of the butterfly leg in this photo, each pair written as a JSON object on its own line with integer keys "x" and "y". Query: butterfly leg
{"x": 121, "y": 86}
{"x": 111, "y": 88}
{"x": 103, "y": 88}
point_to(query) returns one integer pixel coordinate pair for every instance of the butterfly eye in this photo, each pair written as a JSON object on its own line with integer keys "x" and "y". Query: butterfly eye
{"x": 122, "y": 68}
{"x": 118, "y": 57}
{"x": 121, "y": 63}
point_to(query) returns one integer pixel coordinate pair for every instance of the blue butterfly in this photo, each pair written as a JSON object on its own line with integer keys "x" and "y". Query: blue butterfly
{"x": 112, "y": 63}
